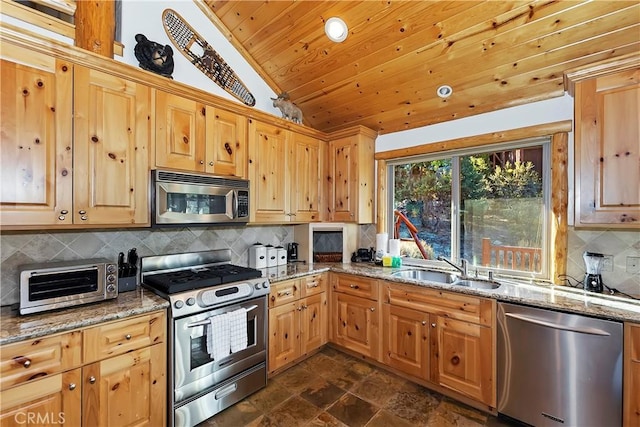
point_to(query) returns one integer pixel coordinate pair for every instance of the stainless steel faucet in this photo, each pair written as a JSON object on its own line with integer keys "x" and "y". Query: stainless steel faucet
{"x": 462, "y": 268}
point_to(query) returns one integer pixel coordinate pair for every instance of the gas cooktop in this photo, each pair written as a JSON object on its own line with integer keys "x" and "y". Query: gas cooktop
{"x": 200, "y": 277}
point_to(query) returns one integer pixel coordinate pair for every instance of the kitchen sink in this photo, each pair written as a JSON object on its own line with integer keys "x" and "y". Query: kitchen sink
{"x": 428, "y": 275}
{"x": 477, "y": 283}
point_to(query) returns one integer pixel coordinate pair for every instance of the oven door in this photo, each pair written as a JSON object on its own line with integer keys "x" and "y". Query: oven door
{"x": 195, "y": 370}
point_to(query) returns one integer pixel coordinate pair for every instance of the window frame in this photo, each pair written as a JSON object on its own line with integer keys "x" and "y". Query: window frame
{"x": 455, "y": 156}
{"x": 559, "y": 213}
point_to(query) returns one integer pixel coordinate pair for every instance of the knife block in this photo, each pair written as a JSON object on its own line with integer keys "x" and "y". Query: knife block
{"x": 128, "y": 283}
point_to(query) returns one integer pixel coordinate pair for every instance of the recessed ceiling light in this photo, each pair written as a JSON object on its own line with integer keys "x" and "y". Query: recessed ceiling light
{"x": 336, "y": 29}
{"x": 444, "y": 91}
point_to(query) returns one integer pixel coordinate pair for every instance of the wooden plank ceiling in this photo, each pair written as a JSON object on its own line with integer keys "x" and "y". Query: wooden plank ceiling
{"x": 494, "y": 54}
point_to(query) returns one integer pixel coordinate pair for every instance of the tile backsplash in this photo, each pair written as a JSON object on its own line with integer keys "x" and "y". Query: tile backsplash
{"x": 24, "y": 247}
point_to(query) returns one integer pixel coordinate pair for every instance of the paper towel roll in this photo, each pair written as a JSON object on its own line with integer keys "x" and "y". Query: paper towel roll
{"x": 381, "y": 244}
{"x": 394, "y": 247}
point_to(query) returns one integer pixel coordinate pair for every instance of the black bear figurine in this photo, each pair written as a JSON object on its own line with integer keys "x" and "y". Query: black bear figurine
{"x": 153, "y": 56}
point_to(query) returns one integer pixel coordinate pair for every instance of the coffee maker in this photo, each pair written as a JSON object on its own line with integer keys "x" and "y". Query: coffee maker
{"x": 292, "y": 252}
{"x": 592, "y": 279}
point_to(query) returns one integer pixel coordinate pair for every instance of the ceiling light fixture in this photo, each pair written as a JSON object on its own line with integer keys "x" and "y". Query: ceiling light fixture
{"x": 444, "y": 91}
{"x": 336, "y": 29}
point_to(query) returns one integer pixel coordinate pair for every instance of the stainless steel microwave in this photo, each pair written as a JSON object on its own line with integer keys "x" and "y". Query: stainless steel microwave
{"x": 53, "y": 285}
{"x": 186, "y": 199}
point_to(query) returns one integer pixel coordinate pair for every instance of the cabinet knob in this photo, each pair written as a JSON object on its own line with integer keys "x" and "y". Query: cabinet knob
{"x": 424, "y": 322}
{"x": 27, "y": 363}
{"x": 64, "y": 211}
{"x": 305, "y": 307}
{"x": 433, "y": 325}
{"x": 61, "y": 217}
{"x": 83, "y": 217}
{"x": 92, "y": 379}
{"x": 82, "y": 212}
{"x": 299, "y": 308}
{"x": 127, "y": 337}
{"x": 202, "y": 162}
{"x": 354, "y": 286}
{"x": 210, "y": 163}
{"x": 455, "y": 360}
{"x": 72, "y": 386}
{"x": 372, "y": 309}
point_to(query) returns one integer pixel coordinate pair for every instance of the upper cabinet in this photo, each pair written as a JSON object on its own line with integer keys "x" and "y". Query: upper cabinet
{"x": 36, "y": 126}
{"x": 195, "y": 137}
{"x": 351, "y": 178}
{"x": 112, "y": 135}
{"x": 86, "y": 166}
{"x": 607, "y": 144}
{"x": 284, "y": 170}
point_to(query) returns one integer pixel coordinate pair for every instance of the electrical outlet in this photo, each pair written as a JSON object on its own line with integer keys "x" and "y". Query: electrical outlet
{"x": 633, "y": 264}
{"x": 607, "y": 264}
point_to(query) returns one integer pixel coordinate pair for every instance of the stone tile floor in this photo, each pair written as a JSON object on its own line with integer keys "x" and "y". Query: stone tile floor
{"x": 334, "y": 389}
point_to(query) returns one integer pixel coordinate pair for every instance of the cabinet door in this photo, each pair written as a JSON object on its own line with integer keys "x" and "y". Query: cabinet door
{"x": 284, "y": 335}
{"x": 52, "y": 400}
{"x": 307, "y": 180}
{"x": 36, "y": 128}
{"x": 226, "y": 143}
{"x": 462, "y": 358}
{"x": 269, "y": 154}
{"x": 608, "y": 151}
{"x": 405, "y": 340}
{"x": 180, "y": 133}
{"x": 126, "y": 390}
{"x": 356, "y": 323}
{"x": 112, "y": 135}
{"x": 344, "y": 185}
{"x": 313, "y": 322}
{"x": 631, "y": 375}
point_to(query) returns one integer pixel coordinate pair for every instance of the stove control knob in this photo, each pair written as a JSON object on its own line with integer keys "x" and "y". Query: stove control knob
{"x": 191, "y": 301}
{"x": 178, "y": 304}
{"x": 257, "y": 286}
{"x": 265, "y": 285}
{"x": 111, "y": 288}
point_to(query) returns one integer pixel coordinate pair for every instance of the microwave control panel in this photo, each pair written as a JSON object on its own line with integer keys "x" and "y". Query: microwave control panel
{"x": 243, "y": 204}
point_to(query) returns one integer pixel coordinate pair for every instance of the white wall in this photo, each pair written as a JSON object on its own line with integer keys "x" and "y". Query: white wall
{"x": 145, "y": 17}
{"x": 549, "y": 111}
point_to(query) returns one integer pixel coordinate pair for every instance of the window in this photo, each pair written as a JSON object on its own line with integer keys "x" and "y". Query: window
{"x": 487, "y": 205}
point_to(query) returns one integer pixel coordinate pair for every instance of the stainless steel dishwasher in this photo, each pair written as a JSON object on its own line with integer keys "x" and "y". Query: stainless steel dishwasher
{"x": 558, "y": 369}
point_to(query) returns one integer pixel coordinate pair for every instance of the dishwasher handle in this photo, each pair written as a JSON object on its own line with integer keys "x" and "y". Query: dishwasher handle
{"x": 541, "y": 322}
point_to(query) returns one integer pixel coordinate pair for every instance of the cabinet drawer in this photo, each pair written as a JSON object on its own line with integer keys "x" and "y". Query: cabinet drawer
{"x": 123, "y": 336}
{"x": 284, "y": 292}
{"x": 312, "y": 285}
{"x": 356, "y": 286}
{"x": 35, "y": 358}
{"x": 448, "y": 304}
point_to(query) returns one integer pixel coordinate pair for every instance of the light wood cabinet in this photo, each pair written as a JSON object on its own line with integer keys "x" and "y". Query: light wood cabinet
{"x": 351, "y": 178}
{"x": 284, "y": 170}
{"x": 87, "y": 169}
{"x": 195, "y": 137}
{"x": 442, "y": 337}
{"x": 37, "y": 148}
{"x": 607, "y": 145}
{"x": 355, "y": 314}
{"x": 112, "y": 136}
{"x": 298, "y": 319}
{"x": 109, "y": 375}
{"x": 631, "y": 391}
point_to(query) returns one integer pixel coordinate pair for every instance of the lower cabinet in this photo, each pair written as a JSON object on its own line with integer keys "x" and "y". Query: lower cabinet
{"x": 441, "y": 337}
{"x": 298, "y": 319}
{"x": 125, "y": 386}
{"x": 355, "y": 315}
{"x": 631, "y": 392}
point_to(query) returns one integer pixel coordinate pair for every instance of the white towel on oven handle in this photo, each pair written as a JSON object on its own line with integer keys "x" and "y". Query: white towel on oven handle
{"x": 238, "y": 326}
{"x": 218, "y": 338}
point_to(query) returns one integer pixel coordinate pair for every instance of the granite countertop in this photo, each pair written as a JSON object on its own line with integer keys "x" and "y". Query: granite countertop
{"x": 554, "y": 297}
{"x": 14, "y": 327}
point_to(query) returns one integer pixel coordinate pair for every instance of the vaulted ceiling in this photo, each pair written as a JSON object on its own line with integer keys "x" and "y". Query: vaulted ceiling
{"x": 494, "y": 54}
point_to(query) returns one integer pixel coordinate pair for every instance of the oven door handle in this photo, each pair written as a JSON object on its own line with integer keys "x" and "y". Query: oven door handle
{"x": 208, "y": 320}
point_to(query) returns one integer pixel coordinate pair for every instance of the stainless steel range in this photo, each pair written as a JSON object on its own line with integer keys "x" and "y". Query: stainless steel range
{"x": 217, "y": 331}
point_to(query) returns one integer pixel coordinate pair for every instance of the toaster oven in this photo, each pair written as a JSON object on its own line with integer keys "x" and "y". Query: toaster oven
{"x": 49, "y": 286}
